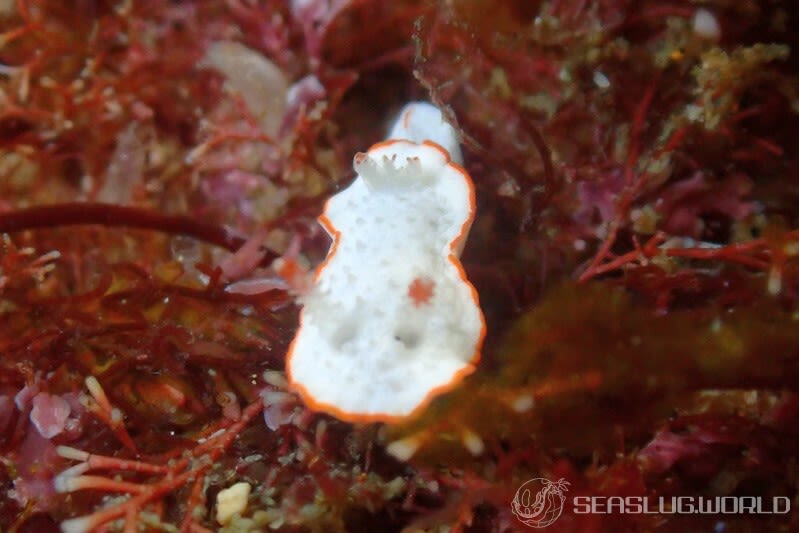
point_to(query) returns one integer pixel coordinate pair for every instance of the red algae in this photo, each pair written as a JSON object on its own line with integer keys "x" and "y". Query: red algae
{"x": 634, "y": 248}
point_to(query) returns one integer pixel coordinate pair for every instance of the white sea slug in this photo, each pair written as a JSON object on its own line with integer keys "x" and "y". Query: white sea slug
{"x": 391, "y": 320}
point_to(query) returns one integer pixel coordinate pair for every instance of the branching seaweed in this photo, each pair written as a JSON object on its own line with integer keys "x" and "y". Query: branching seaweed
{"x": 635, "y": 253}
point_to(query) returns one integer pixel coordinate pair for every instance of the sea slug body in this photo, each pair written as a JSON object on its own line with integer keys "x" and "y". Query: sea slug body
{"x": 391, "y": 319}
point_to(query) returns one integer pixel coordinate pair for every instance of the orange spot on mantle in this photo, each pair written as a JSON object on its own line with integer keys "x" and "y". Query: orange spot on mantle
{"x": 420, "y": 291}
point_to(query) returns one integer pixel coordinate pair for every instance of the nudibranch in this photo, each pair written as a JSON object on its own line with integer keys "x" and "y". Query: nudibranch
{"x": 391, "y": 319}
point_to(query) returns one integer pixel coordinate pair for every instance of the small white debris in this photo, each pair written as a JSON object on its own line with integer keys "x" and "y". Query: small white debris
{"x": 706, "y": 25}
{"x": 774, "y": 284}
{"x": 600, "y": 80}
{"x": 232, "y": 501}
{"x": 82, "y": 524}
{"x": 276, "y": 379}
{"x": 523, "y": 403}
{"x": 404, "y": 449}
{"x": 472, "y": 442}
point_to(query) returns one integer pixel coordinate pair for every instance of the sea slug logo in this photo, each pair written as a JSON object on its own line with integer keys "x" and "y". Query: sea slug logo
{"x": 539, "y": 502}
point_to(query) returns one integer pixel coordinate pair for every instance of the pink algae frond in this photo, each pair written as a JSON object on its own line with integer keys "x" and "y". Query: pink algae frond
{"x": 191, "y": 468}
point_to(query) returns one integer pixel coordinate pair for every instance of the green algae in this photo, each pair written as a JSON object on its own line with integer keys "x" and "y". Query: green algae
{"x": 601, "y": 367}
